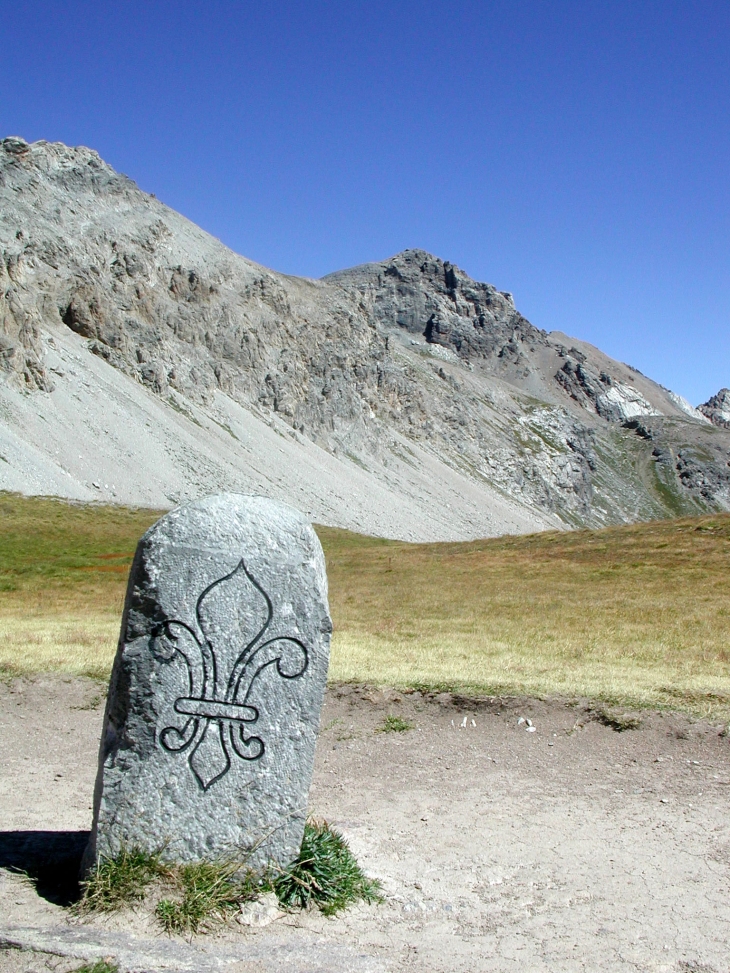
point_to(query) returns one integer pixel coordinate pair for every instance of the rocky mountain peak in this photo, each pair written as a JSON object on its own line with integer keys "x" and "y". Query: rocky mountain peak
{"x": 71, "y": 166}
{"x": 433, "y": 384}
{"x": 15, "y": 145}
{"x": 433, "y": 298}
{"x": 717, "y": 409}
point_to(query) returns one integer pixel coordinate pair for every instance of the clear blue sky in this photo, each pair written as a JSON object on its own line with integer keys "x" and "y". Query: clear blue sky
{"x": 575, "y": 153}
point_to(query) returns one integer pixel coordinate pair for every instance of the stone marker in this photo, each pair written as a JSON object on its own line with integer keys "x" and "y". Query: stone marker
{"x": 215, "y": 695}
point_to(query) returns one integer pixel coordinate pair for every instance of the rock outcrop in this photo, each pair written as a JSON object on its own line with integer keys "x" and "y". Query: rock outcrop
{"x": 405, "y": 372}
{"x": 717, "y": 409}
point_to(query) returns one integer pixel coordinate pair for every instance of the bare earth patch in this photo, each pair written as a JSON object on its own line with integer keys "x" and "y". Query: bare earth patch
{"x": 554, "y": 844}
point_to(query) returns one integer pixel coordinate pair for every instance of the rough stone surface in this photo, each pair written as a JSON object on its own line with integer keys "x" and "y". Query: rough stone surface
{"x": 213, "y": 710}
{"x": 717, "y": 409}
{"x": 436, "y": 410}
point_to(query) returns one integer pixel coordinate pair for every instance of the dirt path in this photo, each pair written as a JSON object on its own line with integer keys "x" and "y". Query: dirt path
{"x": 573, "y": 847}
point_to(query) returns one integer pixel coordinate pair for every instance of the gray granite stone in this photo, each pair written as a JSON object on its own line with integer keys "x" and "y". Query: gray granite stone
{"x": 215, "y": 695}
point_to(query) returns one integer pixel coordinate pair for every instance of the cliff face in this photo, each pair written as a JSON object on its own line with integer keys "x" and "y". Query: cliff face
{"x": 717, "y": 409}
{"x": 408, "y": 372}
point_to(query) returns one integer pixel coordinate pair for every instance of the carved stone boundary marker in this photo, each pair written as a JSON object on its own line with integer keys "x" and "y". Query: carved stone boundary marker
{"x": 215, "y": 695}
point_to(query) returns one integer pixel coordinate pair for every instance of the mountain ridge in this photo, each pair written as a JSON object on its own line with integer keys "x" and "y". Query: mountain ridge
{"x": 389, "y": 369}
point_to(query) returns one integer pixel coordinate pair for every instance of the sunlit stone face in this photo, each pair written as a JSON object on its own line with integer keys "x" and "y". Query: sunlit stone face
{"x": 209, "y": 734}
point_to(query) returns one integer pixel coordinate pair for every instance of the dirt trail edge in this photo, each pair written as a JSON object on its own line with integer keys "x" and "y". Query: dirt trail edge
{"x": 509, "y": 835}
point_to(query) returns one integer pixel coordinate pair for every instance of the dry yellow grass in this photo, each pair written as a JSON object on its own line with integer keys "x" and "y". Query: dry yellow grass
{"x": 59, "y": 643}
{"x": 634, "y": 615}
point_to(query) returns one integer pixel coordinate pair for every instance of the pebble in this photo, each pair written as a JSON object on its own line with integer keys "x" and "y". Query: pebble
{"x": 261, "y": 912}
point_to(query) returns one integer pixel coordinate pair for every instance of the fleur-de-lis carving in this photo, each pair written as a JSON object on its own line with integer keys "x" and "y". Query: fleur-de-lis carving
{"x": 218, "y": 704}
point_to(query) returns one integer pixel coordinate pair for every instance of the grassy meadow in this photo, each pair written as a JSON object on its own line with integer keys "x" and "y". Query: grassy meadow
{"x": 634, "y": 616}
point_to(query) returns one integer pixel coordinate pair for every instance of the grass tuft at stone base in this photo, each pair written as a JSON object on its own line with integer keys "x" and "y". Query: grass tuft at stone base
{"x": 325, "y": 874}
{"x": 207, "y": 892}
{"x": 200, "y": 894}
{"x": 122, "y": 880}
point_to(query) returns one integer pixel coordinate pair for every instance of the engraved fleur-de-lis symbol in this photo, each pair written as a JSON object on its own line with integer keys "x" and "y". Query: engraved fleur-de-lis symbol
{"x": 217, "y": 704}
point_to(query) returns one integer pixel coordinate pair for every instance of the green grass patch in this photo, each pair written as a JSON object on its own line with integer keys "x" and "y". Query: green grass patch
{"x": 325, "y": 874}
{"x": 395, "y": 724}
{"x": 206, "y": 893}
{"x": 192, "y": 897}
{"x": 122, "y": 880}
{"x": 53, "y": 550}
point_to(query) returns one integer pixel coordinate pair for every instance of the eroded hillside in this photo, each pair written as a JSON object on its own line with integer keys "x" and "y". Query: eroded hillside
{"x": 144, "y": 361}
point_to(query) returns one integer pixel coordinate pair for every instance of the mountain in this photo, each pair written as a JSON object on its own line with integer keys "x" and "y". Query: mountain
{"x": 717, "y": 409}
{"x": 143, "y": 361}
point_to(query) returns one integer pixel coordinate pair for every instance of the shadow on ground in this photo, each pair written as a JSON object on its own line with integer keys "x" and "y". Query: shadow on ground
{"x": 51, "y": 859}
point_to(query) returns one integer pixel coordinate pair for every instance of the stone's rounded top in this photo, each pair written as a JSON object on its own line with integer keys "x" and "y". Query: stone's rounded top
{"x": 254, "y": 503}
{"x": 224, "y": 519}
{"x": 239, "y": 504}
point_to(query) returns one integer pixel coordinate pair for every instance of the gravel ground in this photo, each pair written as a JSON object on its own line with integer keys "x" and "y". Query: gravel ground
{"x": 501, "y": 846}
